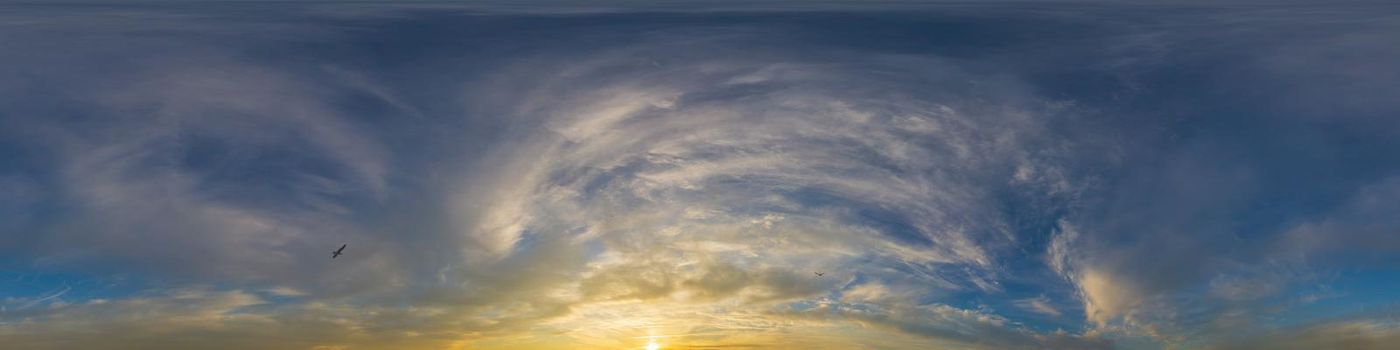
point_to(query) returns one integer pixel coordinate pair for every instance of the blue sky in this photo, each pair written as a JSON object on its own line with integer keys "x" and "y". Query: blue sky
{"x": 1010, "y": 175}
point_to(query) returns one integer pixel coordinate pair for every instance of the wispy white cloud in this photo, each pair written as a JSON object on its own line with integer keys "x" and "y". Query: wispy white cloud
{"x": 1039, "y": 305}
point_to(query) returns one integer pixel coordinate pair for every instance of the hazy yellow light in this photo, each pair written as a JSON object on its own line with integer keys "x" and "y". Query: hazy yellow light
{"x": 652, "y": 345}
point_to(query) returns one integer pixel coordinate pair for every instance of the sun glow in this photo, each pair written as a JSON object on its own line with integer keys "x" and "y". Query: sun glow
{"x": 652, "y": 345}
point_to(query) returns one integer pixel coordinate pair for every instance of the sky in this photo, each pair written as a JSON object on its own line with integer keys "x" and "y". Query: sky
{"x": 674, "y": 175}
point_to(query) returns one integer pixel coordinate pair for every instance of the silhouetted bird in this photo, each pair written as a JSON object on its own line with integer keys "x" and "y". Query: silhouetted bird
{"x": 819, "y": 274}
{"x": 336, "y": 253}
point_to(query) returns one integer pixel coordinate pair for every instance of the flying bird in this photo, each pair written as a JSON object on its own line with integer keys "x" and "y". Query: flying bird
{"x": 336, "y": 253}
{"x": 819, "y": 274}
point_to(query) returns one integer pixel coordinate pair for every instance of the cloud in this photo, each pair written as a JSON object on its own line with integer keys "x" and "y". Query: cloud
{"x": 711, "y": 184}
{"x": 1249, "y": 288}
{"x": 1349, "y": 335}
{"x": 1105, "y": 298}
{"x": 1040, "y": 305}
{"x": 228, "y": 319}
{"x": 507, "y": 180}
{"x": 179, "y": 176}
{"x": 1361, "y": 227}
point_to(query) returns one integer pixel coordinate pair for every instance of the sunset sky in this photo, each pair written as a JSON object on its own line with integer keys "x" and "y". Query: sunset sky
{"x": 674, "y": 175}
